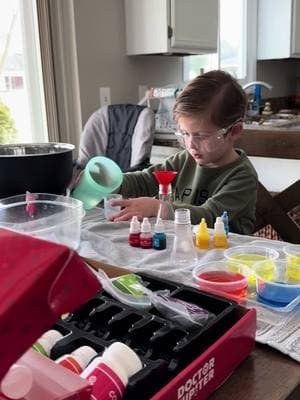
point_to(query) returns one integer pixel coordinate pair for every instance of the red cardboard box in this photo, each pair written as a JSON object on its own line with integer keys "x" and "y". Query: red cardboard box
{"x": 213, "y": 367}
{"x": 40, "y": 281}
{"x": 208, "y": 371}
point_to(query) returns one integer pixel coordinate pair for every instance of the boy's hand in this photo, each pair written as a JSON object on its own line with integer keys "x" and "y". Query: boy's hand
{"x": 141, "y": 207}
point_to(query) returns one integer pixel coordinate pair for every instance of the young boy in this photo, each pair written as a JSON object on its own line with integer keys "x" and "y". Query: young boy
{"x": 212, "y": 176}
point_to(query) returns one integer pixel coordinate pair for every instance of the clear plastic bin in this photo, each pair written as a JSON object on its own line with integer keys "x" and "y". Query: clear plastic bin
{"x": 249, "y": 255}
{"x": 277, "y": 282}
{"x": 223, "y": 276}
{"x": 47, "y": 216}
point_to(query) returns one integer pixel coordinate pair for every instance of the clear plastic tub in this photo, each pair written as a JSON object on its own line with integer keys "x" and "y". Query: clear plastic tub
{"x": 277, "y": 284}
{"x": 223, "y": 276}
{"x": 249, "y": 255}
{"x": 47, "y": 216}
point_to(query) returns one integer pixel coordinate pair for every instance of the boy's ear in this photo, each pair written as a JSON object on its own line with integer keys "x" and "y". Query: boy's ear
{"x": 236, "y": 131}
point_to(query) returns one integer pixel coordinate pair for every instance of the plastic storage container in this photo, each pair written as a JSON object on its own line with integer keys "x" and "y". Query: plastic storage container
{"x": 47, "y": 216}
{"x": 221, "y": 276}
{"x": 277, "y": 283}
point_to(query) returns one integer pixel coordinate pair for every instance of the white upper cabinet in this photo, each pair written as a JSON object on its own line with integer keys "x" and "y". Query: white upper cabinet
{"x": 171, "y": 26}
{"x": 278, "y": 29}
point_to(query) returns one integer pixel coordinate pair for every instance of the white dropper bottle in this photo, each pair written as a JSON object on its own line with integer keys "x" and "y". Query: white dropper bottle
{"x": 220, "y": 239}
{"x": 146, "y": 234}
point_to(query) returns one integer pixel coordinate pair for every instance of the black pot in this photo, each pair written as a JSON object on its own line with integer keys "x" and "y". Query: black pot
{"x": 37, "y": 167}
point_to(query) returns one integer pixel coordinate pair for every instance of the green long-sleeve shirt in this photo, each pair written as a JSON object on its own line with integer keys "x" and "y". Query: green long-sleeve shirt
{"x": 206, "y": 191}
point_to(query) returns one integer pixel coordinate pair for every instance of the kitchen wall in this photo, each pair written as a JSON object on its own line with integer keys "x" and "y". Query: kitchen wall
{"x": 281, "y": 74}
{"x": 102, "y": 60}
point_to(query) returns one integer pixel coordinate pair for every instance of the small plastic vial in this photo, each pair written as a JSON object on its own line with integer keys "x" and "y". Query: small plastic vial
{"x": 224, "y": 218}
{"x": 184, "y": 253}
{"x": 78, "y": 359}
{"x": 159, "y": 237}
{"x": 146, "y": 235}
{"x": 45, "y": 343}
{"x": 17, "y": 382}
{"x": 134, "y": 232}
{"x": 110, "y": 373}
{"x": 202, "y": 235}
{"x": 220, "y": 238}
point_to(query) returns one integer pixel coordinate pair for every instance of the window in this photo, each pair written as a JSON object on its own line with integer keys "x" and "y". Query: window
{"x": 237, "y": 43}
{"x": 22, "y": 110}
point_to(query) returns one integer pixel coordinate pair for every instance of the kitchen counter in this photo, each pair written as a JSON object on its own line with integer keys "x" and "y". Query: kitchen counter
{"x": 259, "y": 142}
{"x": 271, "y": 143}
{"x": 275, "y": 153}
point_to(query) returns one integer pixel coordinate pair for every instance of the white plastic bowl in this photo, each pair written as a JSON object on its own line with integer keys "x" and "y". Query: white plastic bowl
{"x": 48, "y": 216}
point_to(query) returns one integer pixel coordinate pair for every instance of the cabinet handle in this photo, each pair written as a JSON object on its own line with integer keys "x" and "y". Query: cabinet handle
{"x": 170, "y": 32}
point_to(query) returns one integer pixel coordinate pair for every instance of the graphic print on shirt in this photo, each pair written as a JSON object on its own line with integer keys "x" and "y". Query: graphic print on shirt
{"x": 185, "y": 194}
{"x": 201, "y": 196}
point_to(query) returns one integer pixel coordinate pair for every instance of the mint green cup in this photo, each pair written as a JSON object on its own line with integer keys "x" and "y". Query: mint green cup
{"x": 101, "y": 176}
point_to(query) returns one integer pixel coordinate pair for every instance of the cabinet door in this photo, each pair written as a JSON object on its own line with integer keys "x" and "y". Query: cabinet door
{"x": 146, "y": 24}
{"x": 295, "y": 45}
{"x": 171, "y": 26}
{"x": 194, "y": 25}
{"x": 274, "y": 29}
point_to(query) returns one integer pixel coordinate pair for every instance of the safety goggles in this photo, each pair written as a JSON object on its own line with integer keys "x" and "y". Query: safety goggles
{"x": 205, "y": 139}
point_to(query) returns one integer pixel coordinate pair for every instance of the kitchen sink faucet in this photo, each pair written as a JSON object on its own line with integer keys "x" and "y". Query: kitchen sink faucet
{"x": 254, "y": 100}
{"x": 261, "y": 83}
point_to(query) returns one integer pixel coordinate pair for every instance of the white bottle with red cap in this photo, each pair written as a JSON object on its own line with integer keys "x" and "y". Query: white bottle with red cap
{"x": 146, "y": 234}
{"x": 134, "y": 232}
{"x": 78, "y": 359}
{"x": 109, "y": 374}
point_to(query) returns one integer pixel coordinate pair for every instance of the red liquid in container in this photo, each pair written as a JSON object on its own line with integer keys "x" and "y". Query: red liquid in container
{"x": 225, "y": 277}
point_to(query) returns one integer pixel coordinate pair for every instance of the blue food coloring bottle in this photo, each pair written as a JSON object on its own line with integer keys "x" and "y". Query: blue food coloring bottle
{"x": 159, "y": 237}
{"x": 224, "y": 218}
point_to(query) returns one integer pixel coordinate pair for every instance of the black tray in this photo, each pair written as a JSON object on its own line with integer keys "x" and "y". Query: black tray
{"x": 164, "y": 347}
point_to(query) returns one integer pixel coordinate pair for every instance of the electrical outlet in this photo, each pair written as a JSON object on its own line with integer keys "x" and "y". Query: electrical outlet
{"x": 105, "y": 99}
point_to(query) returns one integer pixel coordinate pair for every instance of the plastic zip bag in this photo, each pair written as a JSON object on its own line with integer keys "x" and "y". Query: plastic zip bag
{"x": 129, "y": 289}
{"x": 186, "y": 314}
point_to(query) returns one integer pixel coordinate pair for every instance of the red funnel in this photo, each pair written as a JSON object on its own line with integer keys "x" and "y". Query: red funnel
{"x": 164, "y": 178}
